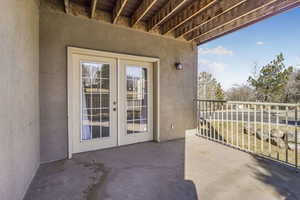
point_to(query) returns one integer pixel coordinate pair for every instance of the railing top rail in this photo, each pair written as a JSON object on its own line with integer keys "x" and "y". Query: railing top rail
{"x": 263, "y": 103}
{"x": 210, "y": 100}
{"x": 250, "y": 103}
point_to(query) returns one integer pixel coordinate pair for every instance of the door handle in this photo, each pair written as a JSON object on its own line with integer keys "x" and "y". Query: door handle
{"x": 114, "y": 109}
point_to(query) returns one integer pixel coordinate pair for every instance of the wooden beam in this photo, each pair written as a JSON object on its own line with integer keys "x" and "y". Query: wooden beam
{"x": 207, "y": 15}
{"x": 243, "y": 9}
{"x": 270, "y": 9}
{"x": 142, "y": 10}
{"x": 186, "y": 14}
{"x": 166, "y": 11}
{"x": 67, "y": 6}
{"x": 93, "y": 8}
{"x": 118, "y": 10}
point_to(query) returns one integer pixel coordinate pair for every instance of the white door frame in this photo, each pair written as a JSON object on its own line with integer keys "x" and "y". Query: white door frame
{"x": 123, "y": 137}
{"x": 71, "y": 51}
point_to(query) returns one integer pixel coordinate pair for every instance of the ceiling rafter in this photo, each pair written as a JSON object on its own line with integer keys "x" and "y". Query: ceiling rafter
{"x": 185, "y": 15}
{"x": 141, "y": 11}
{"x": 243, "y": 9}
{"x": 120, "y": 4}
{"x": 207, "y": 15}
{"x": 93, "y": 7}
{"x": 272, "y": 8}
{"x": 67, "y": 6}
{"x": 167, "y": 10}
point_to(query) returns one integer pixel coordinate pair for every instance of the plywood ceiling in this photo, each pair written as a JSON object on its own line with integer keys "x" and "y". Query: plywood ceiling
{"x": 192, "y": 20}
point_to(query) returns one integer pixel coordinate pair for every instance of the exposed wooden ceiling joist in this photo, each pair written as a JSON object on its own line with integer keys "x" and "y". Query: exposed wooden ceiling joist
{"x": 120, "y": 4}
{"x": 144, "y": 7}
{"x": 186, "y": 14}
{"x": 67, "y": 6}
{"x": 93, "y": 8}
{"x": 207, "y": 15}
{"x": 269, "y": 9}
{"x": 243, "y": 9}
{"x": 166, "y": 11}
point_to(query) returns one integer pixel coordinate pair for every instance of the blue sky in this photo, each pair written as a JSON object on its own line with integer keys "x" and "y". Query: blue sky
{"x": 231, "y": 58}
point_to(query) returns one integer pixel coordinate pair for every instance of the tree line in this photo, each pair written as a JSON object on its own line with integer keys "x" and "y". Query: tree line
{"x": 273, "y": 82}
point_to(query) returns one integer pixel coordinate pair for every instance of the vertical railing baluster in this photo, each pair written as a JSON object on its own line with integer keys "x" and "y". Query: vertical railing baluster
{"x": 243, "y": 126}
{"x": 237, "y": 126}
{"x": 269, "y": 130}
{"x": 205, "y": 119}
{"x": 296, "y": 136}
{"x": 218, "y": 121}
{"x": 262, "y": 129}
{"x": 210, "y": 121}
{"x": 277, "y": 127}
{"x": 200, "y": 130}
{"x": 255, "y": 141}
{"x": 232, "y": 128}
{"x": 214, "y": 125}
{"x": 249, "y": 132}
{"x": 286, "y": 136}
{"x": 222, "y": 121}
{"x": 227, "y": 123}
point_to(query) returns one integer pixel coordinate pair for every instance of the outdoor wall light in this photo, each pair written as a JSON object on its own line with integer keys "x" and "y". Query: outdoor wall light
{"x": 179, "y": 66}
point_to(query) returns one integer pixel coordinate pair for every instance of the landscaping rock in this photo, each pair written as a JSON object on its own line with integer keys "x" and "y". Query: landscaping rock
{"x": 278, "y": 142}
{"x": 249, "y": 130}
{"x": 291, "y": 137}
{"x": 277, "y": 133}
{"x": 262, "y": 135}
{"x": 292, "y": 146}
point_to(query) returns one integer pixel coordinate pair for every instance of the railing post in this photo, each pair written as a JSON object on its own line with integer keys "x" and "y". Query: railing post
{"x": 227, "y": 123}
{"x": 249, "y": 131}
{"x": 232, "y": 143}
{"x": 296, "y": 137}
{"x": 255, "y": 135}
{"x": 218, "y": 121}
{"x": 286, "y": 136}
{"x": 222, "y": 122}
{"x": 269, "y": 125}
{"x": 237, "y": 126}
{"x": 277, "y": 127}
{"x": 243, "y": 126}
{"x": 262, "y": 129}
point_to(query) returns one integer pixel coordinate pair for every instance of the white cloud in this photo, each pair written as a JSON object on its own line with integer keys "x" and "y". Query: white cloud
{"x": 219, "y": 50}
{"x": 211, "y": 66}
{"x": 260, "y": 43}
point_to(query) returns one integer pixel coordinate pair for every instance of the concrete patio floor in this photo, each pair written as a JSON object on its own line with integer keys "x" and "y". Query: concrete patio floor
{"x": 191, "y": 168}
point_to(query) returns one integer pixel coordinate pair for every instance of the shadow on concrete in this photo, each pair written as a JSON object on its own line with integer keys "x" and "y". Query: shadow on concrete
{"x": 148, "y": 171}
{"x": 284, "y": 180}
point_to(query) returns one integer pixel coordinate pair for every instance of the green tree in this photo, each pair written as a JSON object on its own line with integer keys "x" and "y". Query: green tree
{"x": 270, "y": 82}
{"x": 209, "y": 88}
{"x": 219, "y": 92}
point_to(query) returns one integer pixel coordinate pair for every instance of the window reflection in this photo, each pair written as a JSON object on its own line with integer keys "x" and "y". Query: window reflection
{"x": 95, "y": 100}
{"x": 137, "y": 99}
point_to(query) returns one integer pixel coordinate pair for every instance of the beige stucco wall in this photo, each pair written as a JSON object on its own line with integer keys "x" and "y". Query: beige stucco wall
{"x": 58, "y": 30}
{"x": 19, "y": 104}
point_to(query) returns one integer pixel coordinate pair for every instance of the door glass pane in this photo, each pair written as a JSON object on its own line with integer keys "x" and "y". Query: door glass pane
{"x": 137, "y": 99}
{"x": 95, "y": 98}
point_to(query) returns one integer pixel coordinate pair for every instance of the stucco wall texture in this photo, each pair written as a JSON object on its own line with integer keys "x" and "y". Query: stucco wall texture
{"x": 58, "y": 30}
{"x": 19, "y": 98}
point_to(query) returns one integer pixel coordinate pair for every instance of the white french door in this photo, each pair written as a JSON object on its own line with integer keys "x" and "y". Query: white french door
{"x": 111, "y": 102}
{"x": 95, "y": 92}
{"x": 135, "y": 102}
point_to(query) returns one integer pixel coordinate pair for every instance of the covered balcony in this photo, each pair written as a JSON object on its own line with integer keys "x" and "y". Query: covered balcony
{"x": 98, "y": 102}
